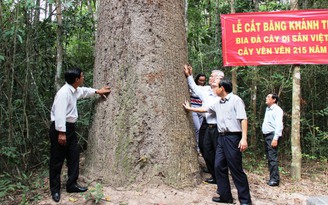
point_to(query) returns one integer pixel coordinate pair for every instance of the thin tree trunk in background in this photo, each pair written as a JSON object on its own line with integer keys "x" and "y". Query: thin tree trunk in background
{"x": 59, "y": 43}
{"x": 37, "y": 13}
{"x": 141, "y": 134}
{"x": 28, "y": 45}
{"x": 253, "y": 137}
{"x": 209, "y": 13}
{"x": 46, "y": 7}
{"x": 89, "y": 4}
{"x": 296, "y": 165}
{"x": 1, "y": 15}
{"x": 1, "y": 51}
{"x": 186, "y": 16}
{"x": 313, "y": 129}
{"x": 233, "y": 69}
{"x": 217, "y": 24}
{"x": 256, "y": 5}
{"x": 50, "y": 11}
{"x": 11, "y": 79}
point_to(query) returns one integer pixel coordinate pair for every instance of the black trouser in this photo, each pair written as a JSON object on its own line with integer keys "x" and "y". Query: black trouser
{"x": 228, "y": 155}
{"x": 210, "y": 140}
{"x": 272, "y": 157}
{"x": 201, "y": 136}
{"x": 58, "y": 153}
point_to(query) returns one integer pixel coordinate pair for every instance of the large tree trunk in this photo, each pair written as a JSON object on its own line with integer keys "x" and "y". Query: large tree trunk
{"x": 141, "y": 133}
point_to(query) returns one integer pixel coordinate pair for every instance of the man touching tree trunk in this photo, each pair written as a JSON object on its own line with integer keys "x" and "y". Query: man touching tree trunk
{"x": 62, "y": 133}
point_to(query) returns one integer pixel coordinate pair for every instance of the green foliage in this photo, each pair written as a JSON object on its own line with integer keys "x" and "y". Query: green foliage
{"x": 10, "y": 156}
{"x": 27, "y": 185}
{"x": 283, "y": 171}
{"x": 6, "y": 185}
{"x": 253, "y": 162}
{"x": 268, "y": 5}
{"x": 95, "y": 194}
{"x": 28, "y": 68}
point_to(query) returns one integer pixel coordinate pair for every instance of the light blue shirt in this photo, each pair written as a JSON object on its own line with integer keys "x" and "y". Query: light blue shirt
{"x": 273, "y": 121}
{"x": 232, "y": 111}
{"x": 64, "y": 108}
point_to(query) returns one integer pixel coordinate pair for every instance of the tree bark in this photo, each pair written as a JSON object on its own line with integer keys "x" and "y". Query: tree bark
{"x": 141, "y": 133}
{"x": 59, "y": 43}
{"x": 296, "y": 165}
{"x": 234, "y": 69}
{"x": 253, "y": 138}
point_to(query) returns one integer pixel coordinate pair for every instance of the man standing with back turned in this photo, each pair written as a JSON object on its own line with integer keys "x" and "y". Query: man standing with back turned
{"x": 62, "y": 133}
{"x": 272, "y": 130}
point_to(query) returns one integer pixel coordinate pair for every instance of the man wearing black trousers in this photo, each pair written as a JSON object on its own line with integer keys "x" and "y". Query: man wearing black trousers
{"x": 62, "y": 133}
{"x": 207, "y": 139}
{"x": 231, "y": 142}
{"x": 272, "y": 130}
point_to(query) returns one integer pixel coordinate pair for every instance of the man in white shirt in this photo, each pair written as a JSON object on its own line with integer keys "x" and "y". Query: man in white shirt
{"x": 62, "y": 133}
{"x": 272, "y": 130}
{"x": 207, "y": 139}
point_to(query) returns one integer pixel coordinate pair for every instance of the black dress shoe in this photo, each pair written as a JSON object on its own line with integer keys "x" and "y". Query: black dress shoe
{"x": 76, "y": 188}
{"x": 273, "y": 183}
{"x": 56, "y": 196}
{"x": 219, "y": 200}
{"x": 210, "y": 180}
{"x": 205, "y": 170}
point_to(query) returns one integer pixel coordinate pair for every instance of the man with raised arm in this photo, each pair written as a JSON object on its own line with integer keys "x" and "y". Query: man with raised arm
{"x": 231, "y": 142}
{"x": 63, "y": 138}
{"x": 207, "y": 140}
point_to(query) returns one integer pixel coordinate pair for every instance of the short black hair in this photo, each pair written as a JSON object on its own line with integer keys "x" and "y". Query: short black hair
{"x": 198, "y": 76}
{"x": 227, "y": 84}
{"x": 275, "y": 97}
{"x": 71, "y": 75}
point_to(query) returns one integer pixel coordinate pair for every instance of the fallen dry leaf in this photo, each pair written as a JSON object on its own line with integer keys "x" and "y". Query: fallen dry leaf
{"x": 71, "y": 199}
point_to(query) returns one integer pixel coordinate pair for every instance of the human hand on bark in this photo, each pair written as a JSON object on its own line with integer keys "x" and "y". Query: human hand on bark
{"x": 186, "y": 105}
{"x": 104, "y": 91}
{"x": 187, "y": 69}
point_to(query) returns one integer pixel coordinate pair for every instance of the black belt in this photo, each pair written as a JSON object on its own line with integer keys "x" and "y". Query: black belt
{"x": 271, "y": 133}
{"x": 69, "y": 124}
{"x": 212, "y": 125}
{"x": 229, "y": 133}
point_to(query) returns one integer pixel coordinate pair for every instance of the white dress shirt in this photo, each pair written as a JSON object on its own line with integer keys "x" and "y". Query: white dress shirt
{"x": 205, "y": 93}
{"x": 273, "y": 121}
{"x": 64, "y": 108}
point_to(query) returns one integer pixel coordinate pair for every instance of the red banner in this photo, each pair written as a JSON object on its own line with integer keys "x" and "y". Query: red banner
{"x": 266, "y": 38}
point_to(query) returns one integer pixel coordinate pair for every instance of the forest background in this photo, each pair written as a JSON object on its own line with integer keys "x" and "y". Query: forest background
{"x": 37, "y": 45}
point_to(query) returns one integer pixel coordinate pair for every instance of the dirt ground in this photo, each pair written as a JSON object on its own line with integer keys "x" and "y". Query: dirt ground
{"x": 314, "y": 183}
